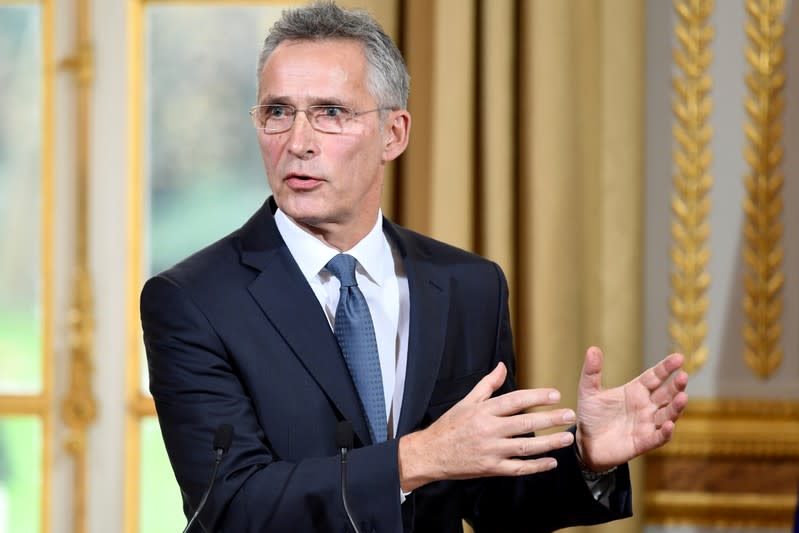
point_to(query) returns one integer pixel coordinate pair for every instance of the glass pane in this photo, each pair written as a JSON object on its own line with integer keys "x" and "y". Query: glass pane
{"x": 204, "y": 171}
{"x": 161, "y": 505}
{"x": 20, "y": 190}
{"x": 20, "y": 474}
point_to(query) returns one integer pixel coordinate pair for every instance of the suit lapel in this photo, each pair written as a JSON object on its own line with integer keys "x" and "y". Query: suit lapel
{"x": 290, "y": 305}
{"x": 428, "y": 286}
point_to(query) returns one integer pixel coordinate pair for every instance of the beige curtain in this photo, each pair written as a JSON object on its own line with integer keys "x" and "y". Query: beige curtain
{"x": 527, "y": 147}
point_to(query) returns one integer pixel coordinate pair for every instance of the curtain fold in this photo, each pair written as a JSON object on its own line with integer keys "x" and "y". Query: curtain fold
{"x": 527, "y": 147}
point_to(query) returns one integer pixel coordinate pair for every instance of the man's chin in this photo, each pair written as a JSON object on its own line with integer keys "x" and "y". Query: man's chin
{"x": 302, "y": 206}
{"x": 305, "y": 215}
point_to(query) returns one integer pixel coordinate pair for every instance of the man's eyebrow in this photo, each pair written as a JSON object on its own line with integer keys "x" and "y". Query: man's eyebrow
{"x": 328, "y": 100}
{"x": 272, "y": 99}
{"x": 313, "y": 100}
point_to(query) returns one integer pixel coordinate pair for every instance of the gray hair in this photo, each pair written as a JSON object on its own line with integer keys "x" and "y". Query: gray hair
{"x": 387, "y": 76}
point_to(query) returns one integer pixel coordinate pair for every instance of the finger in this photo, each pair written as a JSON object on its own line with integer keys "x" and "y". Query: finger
{"x": 591, "y": 376}
{"x": 655, "y": 376}
{"x": 519, "y": 400}
{"x": 681, "y": 380}
{"x": 524, "y": 467}
{"x": 487, "y": 386}
{"x": 526, "y": 423}
{"x": 526, "y": 446}
{"x": 666, "y": 431}
{"x": 666, "y": 392}
{"x": 672, "y": 410}
{"x": 659, "y": 437}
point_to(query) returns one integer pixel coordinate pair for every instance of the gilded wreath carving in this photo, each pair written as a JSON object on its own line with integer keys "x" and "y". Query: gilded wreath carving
{"x": 692, "y": 181}
{"x": 763, "y": 228}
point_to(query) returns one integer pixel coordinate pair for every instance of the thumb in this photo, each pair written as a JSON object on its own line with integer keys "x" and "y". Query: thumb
{"x": 488, "y": 385}
{"x": 591, "y": 376}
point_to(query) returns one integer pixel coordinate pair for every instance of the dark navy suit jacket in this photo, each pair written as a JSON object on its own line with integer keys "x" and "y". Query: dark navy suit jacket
{"x": 234, "y": 335}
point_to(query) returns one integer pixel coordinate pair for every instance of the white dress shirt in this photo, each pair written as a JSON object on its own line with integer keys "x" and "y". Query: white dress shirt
{"x": 383, "y": 282}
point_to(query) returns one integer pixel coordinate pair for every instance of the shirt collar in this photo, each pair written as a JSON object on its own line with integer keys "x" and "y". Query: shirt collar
{"x": 373, "y": 252}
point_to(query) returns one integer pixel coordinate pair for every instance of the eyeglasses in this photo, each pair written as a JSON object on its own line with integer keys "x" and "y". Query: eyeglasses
{"x": 277, "y": 118}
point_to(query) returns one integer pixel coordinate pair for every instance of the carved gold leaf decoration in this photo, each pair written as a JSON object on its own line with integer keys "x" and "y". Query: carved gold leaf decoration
{"x": 763, "y": 252}
{"x": 692, "y": 181}
{"x": 79, "y": 407}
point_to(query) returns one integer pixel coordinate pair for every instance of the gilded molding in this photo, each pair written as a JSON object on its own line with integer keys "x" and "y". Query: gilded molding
{"x": 723, "y": 430}
{"x": 81, "y": 64}
{"x": 730, "y": 510}
{"x": 737, "y": 428}
{"x": 135, "y": 239}
{"x": 78, "y": 408}
{"x": 690, "y": 203}
{"x": 763, "y": 228}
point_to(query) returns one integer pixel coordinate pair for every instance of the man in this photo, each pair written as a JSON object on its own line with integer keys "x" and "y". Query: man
{"x": 257, "y": 330}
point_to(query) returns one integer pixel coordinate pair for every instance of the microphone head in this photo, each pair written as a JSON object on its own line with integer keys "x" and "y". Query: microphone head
{"x": 223, "y": 437}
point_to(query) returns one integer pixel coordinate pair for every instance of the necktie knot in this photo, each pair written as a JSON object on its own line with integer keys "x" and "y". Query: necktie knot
{"x": 343, "y": 267}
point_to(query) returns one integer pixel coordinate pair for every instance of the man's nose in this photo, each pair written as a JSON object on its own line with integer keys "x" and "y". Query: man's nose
{"x": 302, "y": 140}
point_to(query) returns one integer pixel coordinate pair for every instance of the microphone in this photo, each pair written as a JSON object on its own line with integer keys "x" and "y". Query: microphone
{"x": 223, "y": 438}
{"x": 344, "y": 441}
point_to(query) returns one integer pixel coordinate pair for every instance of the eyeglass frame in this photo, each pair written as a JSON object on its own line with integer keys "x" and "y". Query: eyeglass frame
{"x": 351, "y": 115}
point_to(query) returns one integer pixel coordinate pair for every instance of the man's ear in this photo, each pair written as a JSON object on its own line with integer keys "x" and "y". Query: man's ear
{"x": 397, "y": 132}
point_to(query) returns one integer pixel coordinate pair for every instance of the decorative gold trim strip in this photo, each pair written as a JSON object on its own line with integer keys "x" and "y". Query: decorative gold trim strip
{"x": 722, "y": 408}
{"x": 763, "y": 252}
{"x": 725, "y": 510}
{"x": 78, "y": 408}
{"x": 736, "y": 428}
{"x": 136, "y": 261}
{"x": 48, "y": 126}
{"x": 24, "y": 405}
{"x": 692, "y": 181}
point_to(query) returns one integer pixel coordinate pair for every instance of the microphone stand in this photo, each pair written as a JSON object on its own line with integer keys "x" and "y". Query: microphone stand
{"x": 344, "y": 440}
{"x": 222, "y": 440}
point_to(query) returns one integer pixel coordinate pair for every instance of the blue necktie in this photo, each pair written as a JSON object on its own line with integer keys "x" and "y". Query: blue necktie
{"x": 356, "y": 336}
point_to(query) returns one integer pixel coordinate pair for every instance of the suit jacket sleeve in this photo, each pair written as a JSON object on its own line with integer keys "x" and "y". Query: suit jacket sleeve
{"x": 196, "y": 387}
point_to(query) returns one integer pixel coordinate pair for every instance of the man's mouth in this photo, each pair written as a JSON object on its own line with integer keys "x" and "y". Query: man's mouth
{"x": 303, "y": 177}
{"x": 302, "y": 181}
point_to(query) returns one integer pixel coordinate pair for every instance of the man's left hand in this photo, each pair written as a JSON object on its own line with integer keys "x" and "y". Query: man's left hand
{"x": 619, "y": 424}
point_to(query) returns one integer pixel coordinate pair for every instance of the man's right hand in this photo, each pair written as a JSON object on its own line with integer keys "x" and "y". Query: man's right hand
{"x": 479, "y": 436}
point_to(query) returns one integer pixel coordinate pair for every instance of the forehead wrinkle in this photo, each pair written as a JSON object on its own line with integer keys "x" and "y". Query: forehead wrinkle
{"x": 307, "y": 100}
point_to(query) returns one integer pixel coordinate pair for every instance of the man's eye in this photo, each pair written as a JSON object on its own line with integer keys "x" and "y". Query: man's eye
{"x": 329, "y": 111}
{"x": 278, "y": 111}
